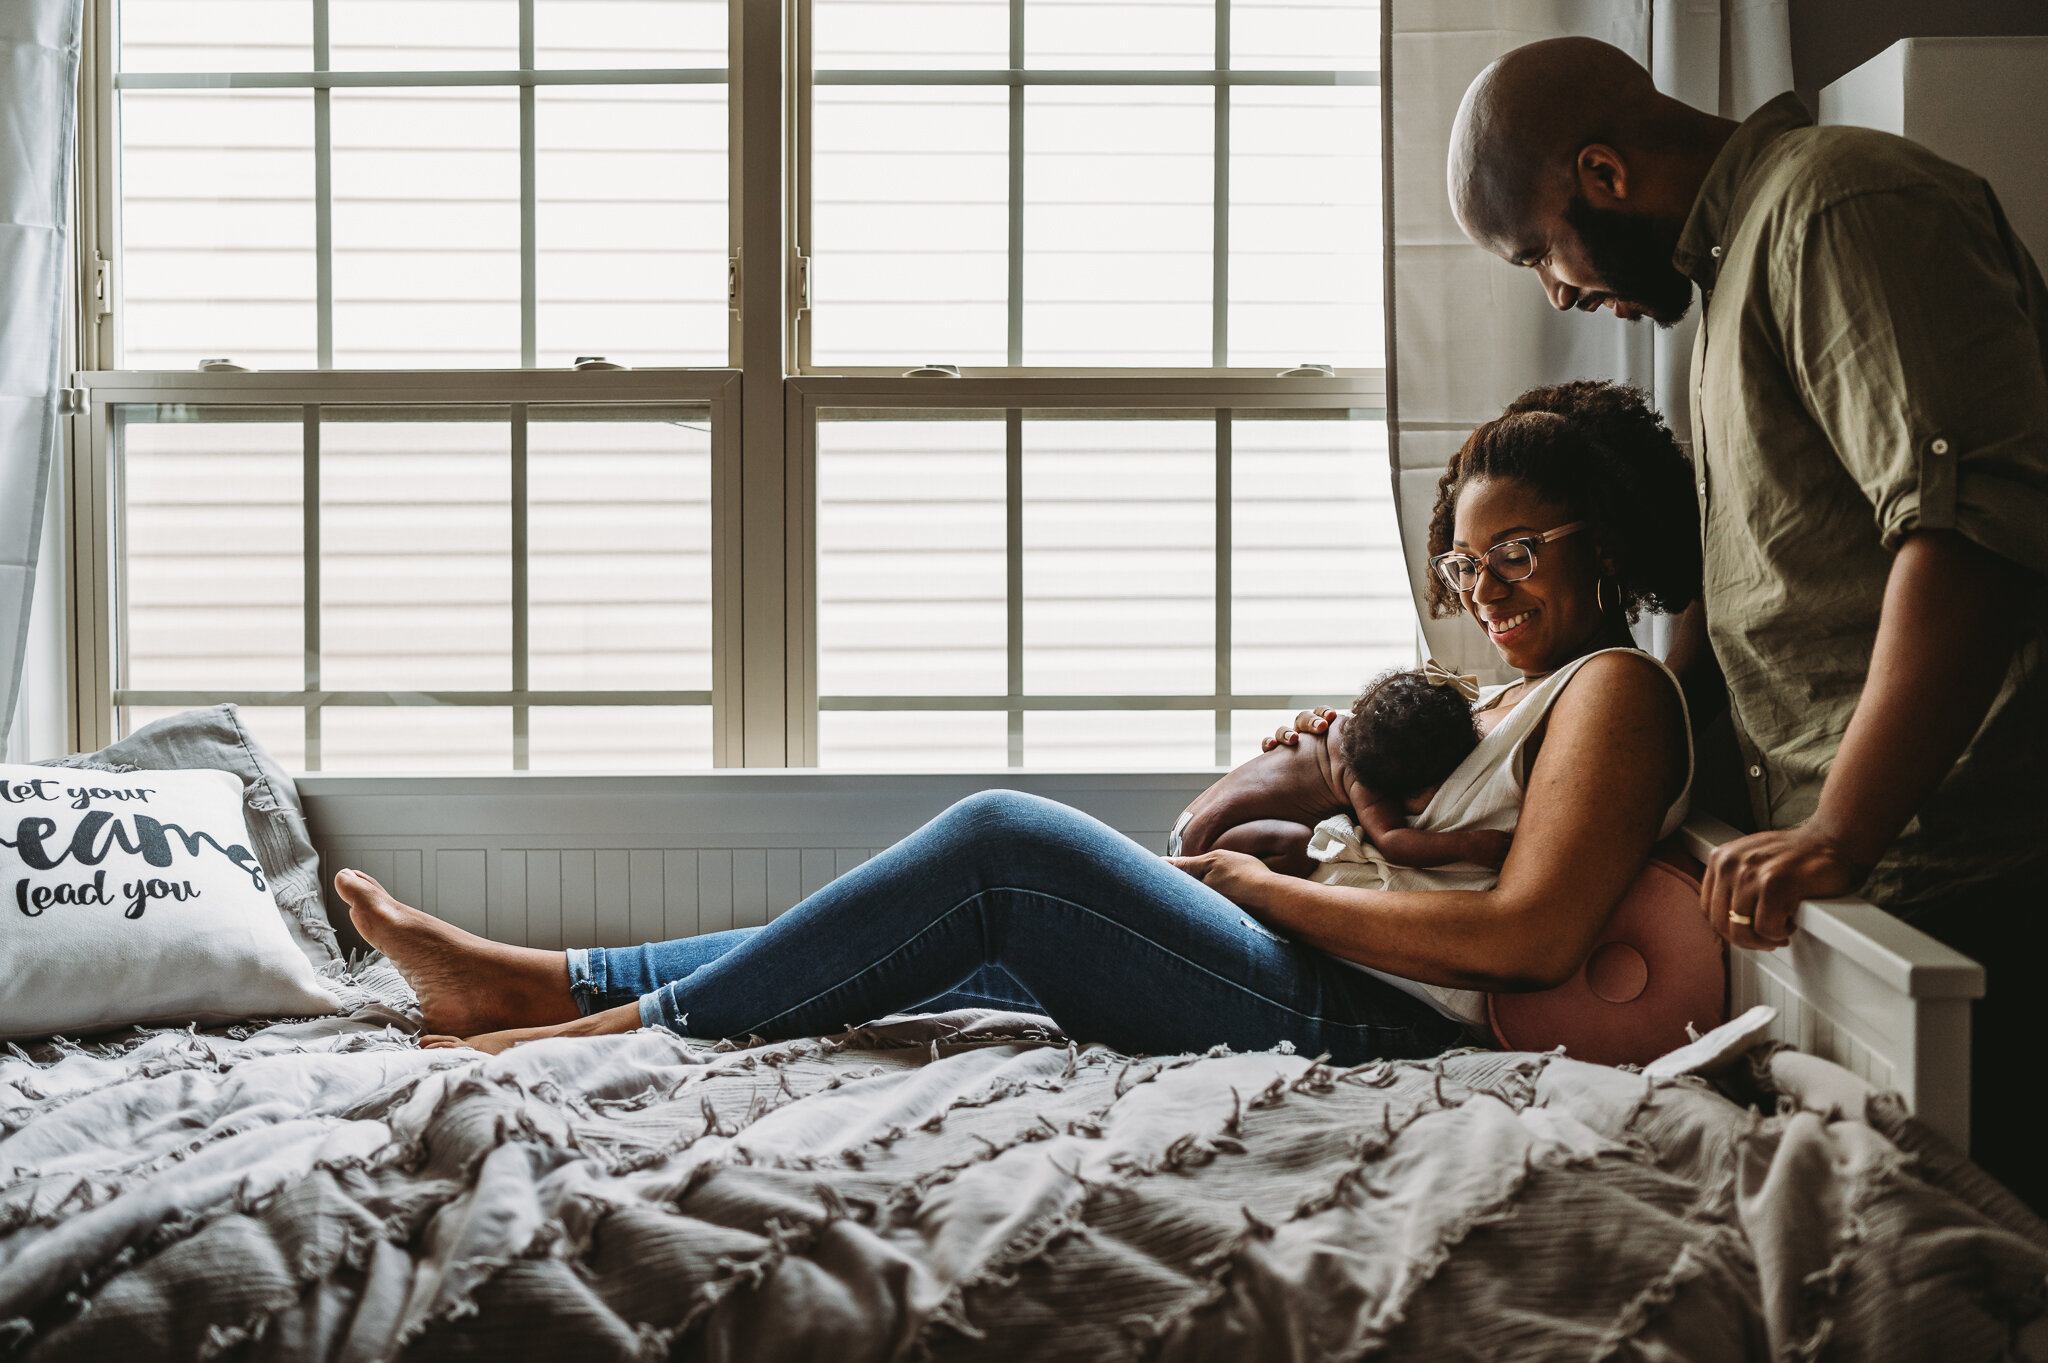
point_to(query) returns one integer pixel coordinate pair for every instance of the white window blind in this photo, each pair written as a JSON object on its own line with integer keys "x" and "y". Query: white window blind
{"x": 1053, "y": 183}
{"x": 1069, "y": 588}
{"x": 431, "y": 184}
{"x": 459, "y": 586}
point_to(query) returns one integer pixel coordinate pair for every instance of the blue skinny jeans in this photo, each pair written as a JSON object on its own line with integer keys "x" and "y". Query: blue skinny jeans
{"x": 1011, "y": 901}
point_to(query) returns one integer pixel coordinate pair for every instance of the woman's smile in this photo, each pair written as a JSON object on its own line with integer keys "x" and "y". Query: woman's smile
{"x": 1507, "y": 629}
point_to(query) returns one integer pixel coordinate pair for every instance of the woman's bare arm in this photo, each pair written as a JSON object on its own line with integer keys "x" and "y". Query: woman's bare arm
{"x": 1292, "y": 784}
{"x": 1613, "y": 758}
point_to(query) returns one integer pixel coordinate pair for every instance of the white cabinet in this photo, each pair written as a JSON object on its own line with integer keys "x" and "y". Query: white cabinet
{"x": 1980, "y": 102}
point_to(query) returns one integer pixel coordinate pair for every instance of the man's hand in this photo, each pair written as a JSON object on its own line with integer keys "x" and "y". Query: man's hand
{"x": 1236, "y": 876}
{"x": 1753, "y": 885}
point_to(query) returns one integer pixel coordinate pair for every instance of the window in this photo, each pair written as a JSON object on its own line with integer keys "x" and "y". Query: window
{"x": 453, "y": 184}
{"x": 1117, "y": 580}
{"x": 466, "y": 584}
{"x": 406, "y": 523}
{"x": 1074, "y": 186}
{"x": 1083, "y": 183}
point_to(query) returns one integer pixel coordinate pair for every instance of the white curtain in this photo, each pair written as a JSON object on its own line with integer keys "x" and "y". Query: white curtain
{"x": 38, "y": 81}
{"x": 1467, "y": 332}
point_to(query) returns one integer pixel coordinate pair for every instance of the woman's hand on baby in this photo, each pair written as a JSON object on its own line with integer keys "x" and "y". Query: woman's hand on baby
{"x": 1316, "y": 721}
{"x": 1234, "y": 875}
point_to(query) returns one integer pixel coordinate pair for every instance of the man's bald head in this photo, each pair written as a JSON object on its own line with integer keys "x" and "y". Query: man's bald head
{"x": 1564, "y": 157}
{"x": 1524, "y": 119}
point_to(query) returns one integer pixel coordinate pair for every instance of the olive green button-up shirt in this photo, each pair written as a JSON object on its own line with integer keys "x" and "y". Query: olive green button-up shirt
{"x": 1870, "y": 363}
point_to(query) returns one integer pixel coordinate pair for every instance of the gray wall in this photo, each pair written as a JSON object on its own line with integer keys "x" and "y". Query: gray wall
{"x": 1830, "y": 37}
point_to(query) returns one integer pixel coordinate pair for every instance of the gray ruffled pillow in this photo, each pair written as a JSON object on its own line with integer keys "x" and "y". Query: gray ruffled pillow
{"x": 216, "y": 738}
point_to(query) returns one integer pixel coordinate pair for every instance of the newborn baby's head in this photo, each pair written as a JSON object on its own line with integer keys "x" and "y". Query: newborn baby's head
{"x": 1404, "y": 736}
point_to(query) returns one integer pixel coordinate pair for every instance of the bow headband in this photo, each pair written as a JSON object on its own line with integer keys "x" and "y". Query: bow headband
{"x": 1438, "y": 675}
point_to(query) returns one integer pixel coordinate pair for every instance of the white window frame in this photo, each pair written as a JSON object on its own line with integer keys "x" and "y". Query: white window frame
{"x": 94, "y": 496}
{"x": 1216, "y": 398}
{"x": 1019, "y": 76}
{"x": 99, "y": 156}
{"x": 764, "y": 693}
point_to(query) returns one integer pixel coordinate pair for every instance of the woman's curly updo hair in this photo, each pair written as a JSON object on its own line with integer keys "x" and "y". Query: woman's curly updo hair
{"x": 1598, "y": 450}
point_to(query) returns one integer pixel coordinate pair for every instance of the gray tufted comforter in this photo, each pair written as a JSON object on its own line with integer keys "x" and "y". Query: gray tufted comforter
{"x": 971, "y": 1185}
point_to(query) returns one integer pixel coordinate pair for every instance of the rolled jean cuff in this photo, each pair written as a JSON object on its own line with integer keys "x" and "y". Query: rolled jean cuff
{"x": 654, "y": 1013}
{"x": 588, "y": 982}
{"x": 579, "y": 978}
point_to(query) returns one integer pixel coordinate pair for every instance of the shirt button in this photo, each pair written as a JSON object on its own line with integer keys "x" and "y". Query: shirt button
{"x": 1703, "y": 487}
{"x": 1940, "y": 445}
{"x": 1756, "y": 771}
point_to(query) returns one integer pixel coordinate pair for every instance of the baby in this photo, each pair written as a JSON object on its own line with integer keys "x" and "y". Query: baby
{"x": 1382, "y": 763}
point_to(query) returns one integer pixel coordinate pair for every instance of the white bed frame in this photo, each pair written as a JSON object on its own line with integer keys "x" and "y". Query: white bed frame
{"x": 560, "y": 861}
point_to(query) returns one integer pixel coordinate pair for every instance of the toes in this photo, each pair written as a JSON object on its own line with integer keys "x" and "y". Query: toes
{"x": 354, "y": 886}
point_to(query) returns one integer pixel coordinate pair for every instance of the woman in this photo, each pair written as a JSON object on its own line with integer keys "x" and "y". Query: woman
{"x": 1011, "y": 900}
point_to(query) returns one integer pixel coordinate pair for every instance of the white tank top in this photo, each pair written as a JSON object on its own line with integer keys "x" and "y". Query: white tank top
{"x": 1486, "y": 791}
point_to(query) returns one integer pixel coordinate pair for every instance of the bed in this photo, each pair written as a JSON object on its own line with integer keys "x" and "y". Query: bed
{"x": 975, "y": 1184}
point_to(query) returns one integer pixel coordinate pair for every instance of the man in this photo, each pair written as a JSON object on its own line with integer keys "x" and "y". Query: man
{"x": 1871, "y": 445}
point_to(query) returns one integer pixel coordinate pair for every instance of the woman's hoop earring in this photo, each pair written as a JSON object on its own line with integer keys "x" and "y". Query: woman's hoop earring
{"x": 1600, "y": 595}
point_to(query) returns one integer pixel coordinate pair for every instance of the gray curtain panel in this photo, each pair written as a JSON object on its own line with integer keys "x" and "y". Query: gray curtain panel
{"x": 38, "y": 124}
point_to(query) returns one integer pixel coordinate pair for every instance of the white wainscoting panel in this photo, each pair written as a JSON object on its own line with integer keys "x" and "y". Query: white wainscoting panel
{"x": 563, "y": 861}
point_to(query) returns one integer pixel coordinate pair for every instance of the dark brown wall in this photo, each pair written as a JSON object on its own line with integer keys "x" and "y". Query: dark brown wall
{"x": 1830, "y": 37}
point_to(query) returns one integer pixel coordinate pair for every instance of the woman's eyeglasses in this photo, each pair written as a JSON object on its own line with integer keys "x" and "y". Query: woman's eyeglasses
{"x": 1509, "y": 561}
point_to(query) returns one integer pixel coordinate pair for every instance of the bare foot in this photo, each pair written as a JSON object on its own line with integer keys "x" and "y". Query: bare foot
{"x": 465, "y": 984}
{"x": 611, "y": 1022}
{"x": 490, "y": 1043}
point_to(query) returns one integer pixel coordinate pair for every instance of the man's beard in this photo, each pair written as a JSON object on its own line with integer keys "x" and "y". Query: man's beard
{"x": 1632, "y": 256}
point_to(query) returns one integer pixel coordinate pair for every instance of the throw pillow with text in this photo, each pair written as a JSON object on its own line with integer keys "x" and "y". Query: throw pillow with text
{"x": 136, "y": 898}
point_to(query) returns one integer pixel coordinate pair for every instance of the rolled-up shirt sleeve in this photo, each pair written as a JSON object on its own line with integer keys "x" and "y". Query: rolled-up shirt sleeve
{"x": 1906, "y": 327}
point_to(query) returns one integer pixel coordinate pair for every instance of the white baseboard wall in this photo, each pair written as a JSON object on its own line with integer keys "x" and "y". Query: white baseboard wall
{"x": 565, "y": 861}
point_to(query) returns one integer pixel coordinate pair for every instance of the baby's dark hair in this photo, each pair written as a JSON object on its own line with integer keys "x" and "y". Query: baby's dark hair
{"x": 1599, "y": 451}
{"x": 1405, "y": 735}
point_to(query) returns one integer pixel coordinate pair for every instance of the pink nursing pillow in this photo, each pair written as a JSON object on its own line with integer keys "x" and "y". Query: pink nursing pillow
{"x": 1657, "y": 967}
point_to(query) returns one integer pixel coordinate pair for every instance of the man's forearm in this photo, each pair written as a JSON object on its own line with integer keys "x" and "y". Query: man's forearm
{"x": 1944, "y": 641}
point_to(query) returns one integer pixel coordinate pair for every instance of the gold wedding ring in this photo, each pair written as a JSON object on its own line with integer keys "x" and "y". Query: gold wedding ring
{"x": 1742, "y": 919}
